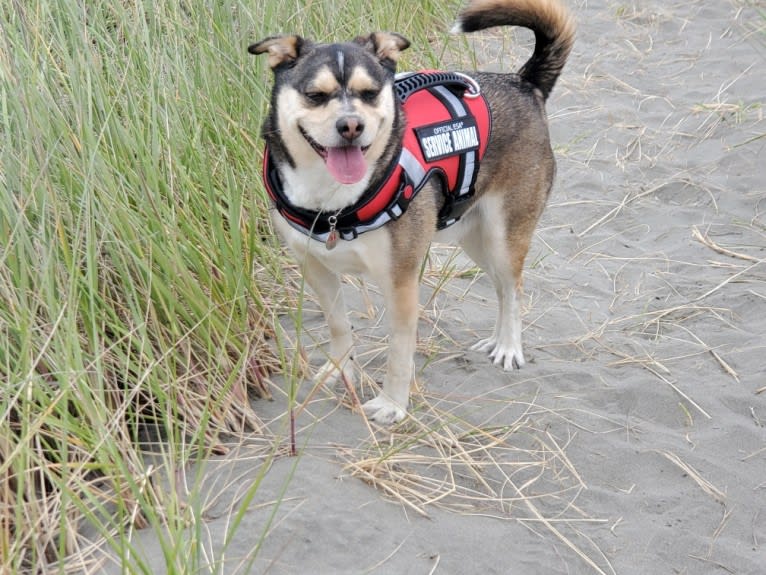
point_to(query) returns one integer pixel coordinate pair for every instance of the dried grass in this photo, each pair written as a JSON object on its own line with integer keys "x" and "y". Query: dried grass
{"x": 513, "y": 471}
{"x": 694, "y": 475}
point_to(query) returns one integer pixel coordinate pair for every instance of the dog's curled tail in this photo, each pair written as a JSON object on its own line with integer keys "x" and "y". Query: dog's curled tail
{"x": 550, "y": 21}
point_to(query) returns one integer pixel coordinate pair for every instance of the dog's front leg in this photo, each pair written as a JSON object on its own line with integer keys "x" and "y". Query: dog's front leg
{"x": 401, "y": 295}
{"x": 326, "y": 285}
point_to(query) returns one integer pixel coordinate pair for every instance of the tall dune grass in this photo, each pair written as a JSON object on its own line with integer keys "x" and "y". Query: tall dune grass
{"x": 138, "y": 275}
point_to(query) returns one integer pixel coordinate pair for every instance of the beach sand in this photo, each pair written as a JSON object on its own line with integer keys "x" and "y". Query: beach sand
{"x": 634, "y": 440}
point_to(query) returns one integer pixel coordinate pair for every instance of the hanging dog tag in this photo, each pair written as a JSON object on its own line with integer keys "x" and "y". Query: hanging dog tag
{"x": 332, "y": 240}
{"x": 332, "y": 235}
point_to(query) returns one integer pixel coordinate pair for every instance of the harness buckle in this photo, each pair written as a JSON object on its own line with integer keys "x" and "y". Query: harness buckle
{"x": 454, "y": 208}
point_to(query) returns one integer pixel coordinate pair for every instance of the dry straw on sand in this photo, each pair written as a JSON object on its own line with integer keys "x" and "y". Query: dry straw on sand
{"x": 632, "y": 442}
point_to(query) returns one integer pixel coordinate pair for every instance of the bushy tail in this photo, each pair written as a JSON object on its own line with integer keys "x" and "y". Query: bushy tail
{"x": 550, "y": 21}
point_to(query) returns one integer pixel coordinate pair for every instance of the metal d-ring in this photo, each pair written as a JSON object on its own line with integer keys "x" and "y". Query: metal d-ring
{"x": 475, "y": 88}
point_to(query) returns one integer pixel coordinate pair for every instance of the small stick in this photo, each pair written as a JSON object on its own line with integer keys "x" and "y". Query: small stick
{"x": 675, "y": 388}
{"x": 672, "y": 385}
{"x": 703, "y": 483}
{"x": 627, "y": 199}
{"x": 727, "y": 280}
{"x": 726, "y": 367}
{"x": 351, "y": 391}
{"x": 715, "y": 247}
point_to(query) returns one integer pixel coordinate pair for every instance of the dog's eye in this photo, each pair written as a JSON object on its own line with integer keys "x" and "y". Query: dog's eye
{"x": 369, "y": 96}
{"x": 317, "y": 98}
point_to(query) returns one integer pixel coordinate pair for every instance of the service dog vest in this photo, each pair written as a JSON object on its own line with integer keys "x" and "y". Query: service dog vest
{"x": 448, "y": 124}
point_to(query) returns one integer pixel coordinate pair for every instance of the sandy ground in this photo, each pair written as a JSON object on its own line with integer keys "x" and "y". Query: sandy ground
{"x": 634, "y": 441}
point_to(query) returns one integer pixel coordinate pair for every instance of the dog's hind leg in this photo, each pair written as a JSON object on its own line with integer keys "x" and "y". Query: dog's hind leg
{"x": 500, "y": 252}
{"x": 326, "y": 285}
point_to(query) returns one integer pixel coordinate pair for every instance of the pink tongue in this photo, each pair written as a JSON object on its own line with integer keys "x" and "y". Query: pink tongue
{"x": 346, "y": 164}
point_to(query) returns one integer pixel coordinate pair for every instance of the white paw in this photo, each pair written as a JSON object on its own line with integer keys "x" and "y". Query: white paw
{"x": 509, "y": 356}
{"x": 333, "y": 372}
{"x": 384, "y": 411}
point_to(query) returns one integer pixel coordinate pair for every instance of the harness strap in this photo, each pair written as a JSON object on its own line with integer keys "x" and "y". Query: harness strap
{"x": 408, "y": 83}
{"x": 456, "y": 198}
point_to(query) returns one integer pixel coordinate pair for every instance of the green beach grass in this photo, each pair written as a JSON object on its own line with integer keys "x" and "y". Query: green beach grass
{"x": 140, "y": 283}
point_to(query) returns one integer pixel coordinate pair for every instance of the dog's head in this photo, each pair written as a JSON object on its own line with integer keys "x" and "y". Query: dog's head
{"x": 333, "y": 104}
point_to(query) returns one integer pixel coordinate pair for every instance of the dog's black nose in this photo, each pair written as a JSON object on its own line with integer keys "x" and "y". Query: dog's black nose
{"x": 350, "y": 127}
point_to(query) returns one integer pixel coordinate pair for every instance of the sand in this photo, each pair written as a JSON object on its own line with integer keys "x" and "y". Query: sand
{"x": 634, "y": 441}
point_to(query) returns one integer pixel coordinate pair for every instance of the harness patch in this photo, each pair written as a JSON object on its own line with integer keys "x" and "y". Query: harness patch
{"x": 449, "y": 138}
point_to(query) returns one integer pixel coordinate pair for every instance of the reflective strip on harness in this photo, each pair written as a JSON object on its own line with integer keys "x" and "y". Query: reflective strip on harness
{"x": 447, "y": 131}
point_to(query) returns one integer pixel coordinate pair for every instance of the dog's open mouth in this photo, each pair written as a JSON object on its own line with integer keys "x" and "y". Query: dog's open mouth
{"x": 346, "y": 164}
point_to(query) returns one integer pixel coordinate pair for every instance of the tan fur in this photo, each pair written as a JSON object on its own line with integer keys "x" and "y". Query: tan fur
{"x": 386, "y": 45}
{"x": 360, "y": 80}
{"x": 549, "y": 12}
{"x": 325, "y": 81}
{"x": 513, "y": 184}
{"x": 280, "y": 49}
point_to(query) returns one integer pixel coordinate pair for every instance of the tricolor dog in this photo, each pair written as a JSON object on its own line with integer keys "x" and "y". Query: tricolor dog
{"x": 367, "y": 167}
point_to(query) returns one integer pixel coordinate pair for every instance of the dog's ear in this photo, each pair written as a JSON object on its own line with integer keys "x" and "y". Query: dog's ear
{"x": 387, "y": 46}
{"x": 282, "y": 50}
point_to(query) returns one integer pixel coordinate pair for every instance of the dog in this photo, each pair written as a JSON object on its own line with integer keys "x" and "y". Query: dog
{"x": 339, "y": 130}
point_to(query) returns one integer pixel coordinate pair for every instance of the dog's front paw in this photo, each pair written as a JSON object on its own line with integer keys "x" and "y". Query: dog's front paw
{"x": 384, "y": 411}
{"x": 333, "y": 372}
{"x": 509, "y": 356}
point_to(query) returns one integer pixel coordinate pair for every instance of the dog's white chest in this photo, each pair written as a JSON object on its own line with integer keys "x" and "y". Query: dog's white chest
{"x": 369, "y": 254}
{"x": 313, "y": 189}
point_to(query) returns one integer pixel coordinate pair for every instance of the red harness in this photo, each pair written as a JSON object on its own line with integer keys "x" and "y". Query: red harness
{"x": 448, "y": 128}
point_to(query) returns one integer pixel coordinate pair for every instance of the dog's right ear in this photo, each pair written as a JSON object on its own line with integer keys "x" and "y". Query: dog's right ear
{"x": 282, "y": 50}
{"x": 387, "y": 46}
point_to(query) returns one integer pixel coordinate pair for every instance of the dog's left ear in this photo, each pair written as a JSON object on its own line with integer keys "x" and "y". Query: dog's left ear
{"x": 387, "y": 46}
{"x": 282, "y": 50}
